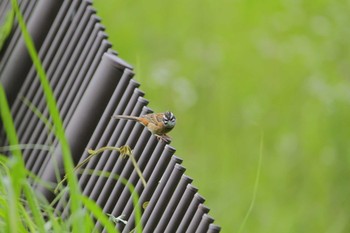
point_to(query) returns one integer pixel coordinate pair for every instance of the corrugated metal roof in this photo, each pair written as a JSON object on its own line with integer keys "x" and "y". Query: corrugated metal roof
{"x": 91, "y": 84}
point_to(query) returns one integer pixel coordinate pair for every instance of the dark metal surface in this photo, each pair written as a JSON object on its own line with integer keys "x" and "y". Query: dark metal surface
{"x": 91, "y": 84}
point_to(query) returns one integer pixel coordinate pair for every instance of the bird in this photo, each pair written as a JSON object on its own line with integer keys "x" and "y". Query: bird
{"x": 158, "y": 124}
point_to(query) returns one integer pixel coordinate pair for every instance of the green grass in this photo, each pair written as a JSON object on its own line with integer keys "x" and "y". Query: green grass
{"x": 10, "y": 183}
{"x": 229, "y": 69}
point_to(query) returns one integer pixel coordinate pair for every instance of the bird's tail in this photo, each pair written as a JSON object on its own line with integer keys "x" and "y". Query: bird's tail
{"x": 133, "y": 118}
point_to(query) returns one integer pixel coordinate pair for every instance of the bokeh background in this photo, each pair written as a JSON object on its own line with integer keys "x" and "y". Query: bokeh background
{"x": 240, "y": 73}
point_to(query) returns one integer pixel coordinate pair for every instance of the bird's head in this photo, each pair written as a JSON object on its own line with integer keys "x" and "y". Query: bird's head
{"x": 169, "y": 120}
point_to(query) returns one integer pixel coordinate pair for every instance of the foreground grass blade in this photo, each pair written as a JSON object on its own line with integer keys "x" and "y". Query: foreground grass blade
{"x": 98, "y": 213}
{"x": 5, "y": 29}
{"x": 78, "y": 225}
{"x": 134, "y": 194}
{"x": 34, "y": 207}
{"x": 7, "y": 121}
{"x": 12, "y": 184}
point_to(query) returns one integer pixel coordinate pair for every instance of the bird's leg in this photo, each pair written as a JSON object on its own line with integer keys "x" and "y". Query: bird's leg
{"x": 164, "y": 138}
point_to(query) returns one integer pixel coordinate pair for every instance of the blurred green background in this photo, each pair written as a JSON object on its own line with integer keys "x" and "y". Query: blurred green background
{"x": 232, "y": 71}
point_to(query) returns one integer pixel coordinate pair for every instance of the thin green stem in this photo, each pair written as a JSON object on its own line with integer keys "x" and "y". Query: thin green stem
{"x": 123, "y": 150}
{"x": 257, "y": 178}
{"x": 134, "y": 195}
{"x": 37, "y": 112}
{"x": 26, "y": 147}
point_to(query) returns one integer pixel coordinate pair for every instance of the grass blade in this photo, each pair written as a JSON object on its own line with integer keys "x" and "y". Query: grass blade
{"x": 98, "y": 213}
{"x": 7, "y": 121}
{"x": 11, "y": 182}
{"x": 257, "y": 178}
{"x": 5, "y": 30}
{"x": 134, "y": 194}
{"x": 34, "y": 207}
{"x": 76, "y": 204}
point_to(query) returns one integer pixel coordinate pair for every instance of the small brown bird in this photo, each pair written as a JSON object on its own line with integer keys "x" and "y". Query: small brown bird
{"x": 157, "y": 123}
